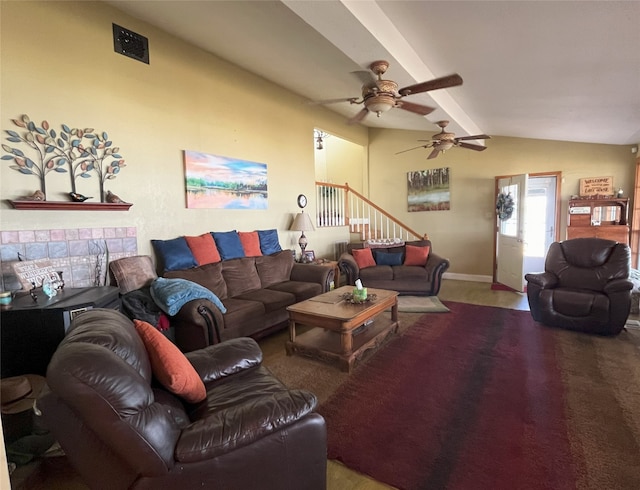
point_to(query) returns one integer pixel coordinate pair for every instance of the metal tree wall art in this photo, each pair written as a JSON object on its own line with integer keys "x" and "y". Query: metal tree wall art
{"x": 63, "y": 152}
{"x": 102, "y": 158}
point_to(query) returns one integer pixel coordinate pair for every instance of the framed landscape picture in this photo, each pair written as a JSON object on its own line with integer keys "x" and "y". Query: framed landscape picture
{"x": 428, "y": 190}
{"x": 214, "y": 181}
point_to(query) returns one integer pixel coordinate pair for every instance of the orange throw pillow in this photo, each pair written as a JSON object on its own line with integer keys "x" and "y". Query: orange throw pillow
{"x": 250, "y": 243}
{"x": 364, "y": 257}
{"x": 416, "y": 255}
{"x": 203, "y": 248}
{"x": 170, "y": 367}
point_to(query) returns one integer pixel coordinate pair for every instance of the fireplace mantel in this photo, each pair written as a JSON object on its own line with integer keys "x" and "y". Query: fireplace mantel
{"x": 70, "y": 205}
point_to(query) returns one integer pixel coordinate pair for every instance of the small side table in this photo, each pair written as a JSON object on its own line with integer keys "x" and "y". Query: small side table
{"x": 336, "y": 270}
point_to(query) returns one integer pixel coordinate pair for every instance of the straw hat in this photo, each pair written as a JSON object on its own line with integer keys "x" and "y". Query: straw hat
{"x": 19, "y": 393}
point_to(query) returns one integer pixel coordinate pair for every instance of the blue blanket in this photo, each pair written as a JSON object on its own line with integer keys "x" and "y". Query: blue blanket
{"x": 171, "y": 294}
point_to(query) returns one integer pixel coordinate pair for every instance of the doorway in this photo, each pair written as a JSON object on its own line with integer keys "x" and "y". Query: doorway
{"x": 521, "y": 242}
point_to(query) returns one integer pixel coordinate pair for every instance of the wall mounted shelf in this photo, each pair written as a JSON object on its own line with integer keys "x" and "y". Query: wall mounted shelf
{"x": 71, "y": 206}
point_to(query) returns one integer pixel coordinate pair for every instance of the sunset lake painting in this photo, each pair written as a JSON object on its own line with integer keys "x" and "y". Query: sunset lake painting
{"x": 214, "y": 181}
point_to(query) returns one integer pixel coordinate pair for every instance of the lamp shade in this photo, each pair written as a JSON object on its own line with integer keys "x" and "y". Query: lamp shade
{"x": 302, "y": 222}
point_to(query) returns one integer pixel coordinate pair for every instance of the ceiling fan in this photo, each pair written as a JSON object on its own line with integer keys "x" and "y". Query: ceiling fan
{"x": 443, "y": 141}
{"x": 380, "y": 95}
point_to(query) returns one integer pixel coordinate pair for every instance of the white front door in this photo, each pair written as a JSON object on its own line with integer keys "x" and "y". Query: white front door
{"x": 540, "y": 220}
{"x": 511, "y": 242}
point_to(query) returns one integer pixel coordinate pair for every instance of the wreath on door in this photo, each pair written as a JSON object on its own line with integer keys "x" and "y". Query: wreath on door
{"x": 504, "y": 206}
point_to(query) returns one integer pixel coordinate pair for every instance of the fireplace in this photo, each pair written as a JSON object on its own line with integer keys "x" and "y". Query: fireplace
{"x": 82, "y": 254}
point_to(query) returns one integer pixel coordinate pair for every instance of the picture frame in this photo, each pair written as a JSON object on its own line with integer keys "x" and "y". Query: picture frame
{"x": 215, "y": 181}
{"x": 309, "y": 256}
{"x": 429, "y": 190}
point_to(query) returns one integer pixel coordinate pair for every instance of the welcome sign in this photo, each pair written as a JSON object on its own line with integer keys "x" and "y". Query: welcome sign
{"x": 592, "y": 186}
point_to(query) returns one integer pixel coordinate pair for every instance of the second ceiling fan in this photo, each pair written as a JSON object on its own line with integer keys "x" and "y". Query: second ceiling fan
{"x": 443, "y": 141}
{"x": 380, "y": 95}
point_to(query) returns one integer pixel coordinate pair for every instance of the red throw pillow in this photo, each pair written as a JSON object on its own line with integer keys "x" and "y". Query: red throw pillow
{"x": 416, "y": 255}
{"x": 203, "y": 248}
{"x": 170, "y": 367}
{"x": 250, "y": 243}
{"x": 363, "y": 257}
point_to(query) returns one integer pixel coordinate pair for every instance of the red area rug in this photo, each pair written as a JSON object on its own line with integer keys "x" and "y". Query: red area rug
{"x": 485, "y": 398}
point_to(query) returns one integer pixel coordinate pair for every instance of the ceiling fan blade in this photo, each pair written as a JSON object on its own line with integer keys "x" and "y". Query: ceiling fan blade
{"x": 433, "y": 154}
{"x": 476, "y": 137}
{"x": 414, "y": 148}
{"x": 358, "y": 117}
{"x": 423, "y": 110}
{"x": 438, "y": 83}
{"x": 365, "y": 77}
{"x": 332, "y": 101}
{"x": 471, "y": 146}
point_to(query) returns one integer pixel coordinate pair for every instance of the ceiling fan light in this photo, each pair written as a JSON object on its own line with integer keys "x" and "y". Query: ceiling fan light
{"x": 379, "y": 103}
{"x": 443, "y": 145}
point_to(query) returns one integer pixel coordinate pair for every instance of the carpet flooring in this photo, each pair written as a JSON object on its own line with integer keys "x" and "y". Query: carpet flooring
{"x": 485, "y": 398}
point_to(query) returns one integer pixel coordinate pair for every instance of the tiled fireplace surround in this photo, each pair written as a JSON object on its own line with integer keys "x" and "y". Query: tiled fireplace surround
{"x": 74, "y": 251}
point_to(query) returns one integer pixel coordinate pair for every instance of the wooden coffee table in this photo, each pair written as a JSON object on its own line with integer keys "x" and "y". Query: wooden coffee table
{"x": 344, "y": 330}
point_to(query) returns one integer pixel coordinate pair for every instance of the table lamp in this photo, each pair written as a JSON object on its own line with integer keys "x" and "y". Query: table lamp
{"x": 302, "y": 222}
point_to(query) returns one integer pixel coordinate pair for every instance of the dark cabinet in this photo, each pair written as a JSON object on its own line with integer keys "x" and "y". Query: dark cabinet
{"x": 30, "y": 331}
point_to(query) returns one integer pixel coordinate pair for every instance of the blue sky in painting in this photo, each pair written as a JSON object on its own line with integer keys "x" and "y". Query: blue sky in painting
{"x": 224, "y": 169}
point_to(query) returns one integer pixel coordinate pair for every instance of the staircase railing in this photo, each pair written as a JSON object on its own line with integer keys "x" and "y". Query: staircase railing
{"x": 339, "y": 205}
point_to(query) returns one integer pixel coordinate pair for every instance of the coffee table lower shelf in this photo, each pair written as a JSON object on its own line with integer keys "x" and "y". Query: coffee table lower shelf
{"x": 325, "y": 345}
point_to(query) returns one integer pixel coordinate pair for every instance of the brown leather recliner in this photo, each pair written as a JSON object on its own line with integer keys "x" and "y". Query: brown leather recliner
{"x": 120, "y": 429}
{"x": 585, "y": 286}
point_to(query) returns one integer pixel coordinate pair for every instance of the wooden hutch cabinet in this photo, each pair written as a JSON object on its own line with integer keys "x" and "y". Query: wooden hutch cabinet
{"x": 600, "y": 218}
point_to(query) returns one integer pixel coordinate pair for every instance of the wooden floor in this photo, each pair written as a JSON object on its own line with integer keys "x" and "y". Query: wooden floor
{"x": 50, "y": 475}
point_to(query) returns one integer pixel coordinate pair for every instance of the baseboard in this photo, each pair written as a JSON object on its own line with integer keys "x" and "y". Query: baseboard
{"x": 466, "y": 277}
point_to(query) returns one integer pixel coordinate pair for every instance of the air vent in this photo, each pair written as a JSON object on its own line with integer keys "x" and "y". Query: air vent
{"x": 130, "y": 44}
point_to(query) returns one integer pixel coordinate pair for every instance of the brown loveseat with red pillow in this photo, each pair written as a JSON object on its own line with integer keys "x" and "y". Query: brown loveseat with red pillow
{"x": 410, "y": 268}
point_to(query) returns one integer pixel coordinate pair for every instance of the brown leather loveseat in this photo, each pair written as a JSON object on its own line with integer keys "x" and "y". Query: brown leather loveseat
{"x": 585, "y": 286}
{"x": 409, "y": 268}
{"x": 121, "y": 429}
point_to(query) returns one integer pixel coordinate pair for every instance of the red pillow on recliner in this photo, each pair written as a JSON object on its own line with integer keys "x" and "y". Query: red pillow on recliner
{"x": 170, "y": 367}
{"x": 416, "y": 255}
{"x": 363, "y": 257}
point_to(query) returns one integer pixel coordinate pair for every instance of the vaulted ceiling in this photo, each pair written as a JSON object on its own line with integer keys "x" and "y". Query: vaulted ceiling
{"x": 556, "y": 70}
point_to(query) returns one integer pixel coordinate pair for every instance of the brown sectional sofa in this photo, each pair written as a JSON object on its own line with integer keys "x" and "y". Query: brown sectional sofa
{"x": 255, "y": 291}
{"x": 418, "y": 280}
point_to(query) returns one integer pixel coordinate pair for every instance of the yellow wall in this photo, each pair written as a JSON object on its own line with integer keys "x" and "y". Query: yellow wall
{"x": 339, "y": 171}
{"x": 465, "y": 233}
{"x": 58, "y": 63}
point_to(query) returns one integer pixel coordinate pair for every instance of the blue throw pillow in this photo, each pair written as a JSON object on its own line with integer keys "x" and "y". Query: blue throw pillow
{"x": 229, "y": 244}
{"x": 171, "y": 294}
{"x": 388, "y": 258}
{"x": 174, "y": 254}
{"x": 269, "y": 243}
